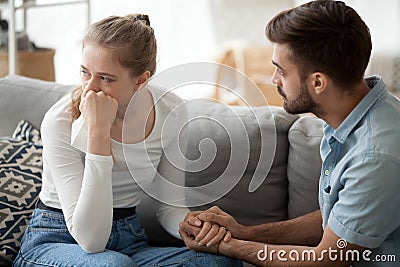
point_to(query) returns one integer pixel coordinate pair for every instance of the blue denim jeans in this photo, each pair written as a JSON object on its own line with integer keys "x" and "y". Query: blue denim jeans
{"x": 47, "y": 242}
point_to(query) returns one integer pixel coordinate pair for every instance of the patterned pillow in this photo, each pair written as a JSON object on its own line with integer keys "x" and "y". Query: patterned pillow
{"x": 20, "y": 184}
{"x": 25, "y": 131}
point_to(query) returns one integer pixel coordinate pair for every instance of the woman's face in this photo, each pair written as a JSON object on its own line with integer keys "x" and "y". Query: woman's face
{"x": 100, "y": 71}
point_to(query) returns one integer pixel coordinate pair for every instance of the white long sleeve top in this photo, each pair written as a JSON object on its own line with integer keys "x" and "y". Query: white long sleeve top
{"x": 87, "y": 186}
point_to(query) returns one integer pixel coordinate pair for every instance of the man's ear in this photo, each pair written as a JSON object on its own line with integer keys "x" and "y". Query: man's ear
{"x": 319, "y": 82}
{"x": 142, "y": 79}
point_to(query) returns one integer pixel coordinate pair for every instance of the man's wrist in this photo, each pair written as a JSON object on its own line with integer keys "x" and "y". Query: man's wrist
{"x": 245, "y": 232}
{"x": 263, "y": 233}
{"x": 228, "y": 248}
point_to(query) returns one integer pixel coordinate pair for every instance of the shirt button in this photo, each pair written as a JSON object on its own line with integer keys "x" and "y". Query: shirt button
{"x": 327, "y": 172}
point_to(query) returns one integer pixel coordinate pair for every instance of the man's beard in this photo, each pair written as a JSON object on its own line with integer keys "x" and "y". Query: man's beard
{"x": 303, "y": 103}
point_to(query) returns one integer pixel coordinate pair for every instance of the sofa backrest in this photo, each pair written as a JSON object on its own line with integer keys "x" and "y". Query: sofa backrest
{"x": 291, "y": 147}
{"x": 28, "y": 99}
{"x": 247, "y": 140}
{"x": 227, "y": 142}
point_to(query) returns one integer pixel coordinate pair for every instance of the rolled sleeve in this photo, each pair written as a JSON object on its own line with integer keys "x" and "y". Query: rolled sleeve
{"x": 367, "y": 210}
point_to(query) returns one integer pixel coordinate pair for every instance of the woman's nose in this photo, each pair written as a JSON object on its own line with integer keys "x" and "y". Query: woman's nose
{"x": 91, "y": 85}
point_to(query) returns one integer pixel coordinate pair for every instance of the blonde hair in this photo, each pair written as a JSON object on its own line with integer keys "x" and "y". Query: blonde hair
{"x": 132, "y": 41}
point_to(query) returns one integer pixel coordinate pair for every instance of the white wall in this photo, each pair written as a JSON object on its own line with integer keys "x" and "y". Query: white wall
{"x": 195, "y": 30}
{"x": 383, "y": 20}
{"x": 186, "y": 31}
{"x": 183, "y": 30}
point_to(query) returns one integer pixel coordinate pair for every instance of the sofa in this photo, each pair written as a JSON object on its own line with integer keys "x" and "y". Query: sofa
{"x": 277, "y": 179}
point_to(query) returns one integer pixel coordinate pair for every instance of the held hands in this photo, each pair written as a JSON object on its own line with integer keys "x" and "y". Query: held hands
{"x": 189, "y": 233}
{"x": 204, "y": 230}
{"x": 98, "y": 110}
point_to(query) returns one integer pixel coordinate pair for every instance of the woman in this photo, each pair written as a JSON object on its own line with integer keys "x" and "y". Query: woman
{"x": 92, "y": 139}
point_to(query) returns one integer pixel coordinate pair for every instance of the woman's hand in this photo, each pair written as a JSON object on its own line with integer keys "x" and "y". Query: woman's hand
{"x": 188, "y": 232}
{"x": 206, "y": 233}
{"x": 99, "y": 111}
{"x": 211, "y": 234}
{"x": 216, "y": 224}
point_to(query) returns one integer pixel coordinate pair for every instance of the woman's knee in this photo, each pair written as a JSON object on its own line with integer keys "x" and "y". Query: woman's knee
{"x": 108, "y": 258}
{"x": 77, "y": 258}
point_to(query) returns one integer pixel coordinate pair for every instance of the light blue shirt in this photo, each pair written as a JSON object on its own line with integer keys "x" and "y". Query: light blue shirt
{"x": 359, "y": 192}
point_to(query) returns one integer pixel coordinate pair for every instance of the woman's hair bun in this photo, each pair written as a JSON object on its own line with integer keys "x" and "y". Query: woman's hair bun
{"x": 144, "y": 18}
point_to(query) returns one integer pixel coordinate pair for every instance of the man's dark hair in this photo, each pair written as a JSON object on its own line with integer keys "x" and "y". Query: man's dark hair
{"x": 324, "y": 36}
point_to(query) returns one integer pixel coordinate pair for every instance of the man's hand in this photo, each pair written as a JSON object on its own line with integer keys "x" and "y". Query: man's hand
{"x": 212, "y": 230}
{"x": 205, "y": 233}
{"x": 215, "y": 215}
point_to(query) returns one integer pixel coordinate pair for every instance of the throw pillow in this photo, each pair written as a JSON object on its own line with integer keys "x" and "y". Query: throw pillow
{"x": 304, "y": 165}
{"x": 25, "y": 131}
{"x": 20, "y": 184}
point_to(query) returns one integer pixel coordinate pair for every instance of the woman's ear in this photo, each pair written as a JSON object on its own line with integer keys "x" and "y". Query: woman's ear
{"x": 319, "y": 82}
{"x": 142, "y": 79}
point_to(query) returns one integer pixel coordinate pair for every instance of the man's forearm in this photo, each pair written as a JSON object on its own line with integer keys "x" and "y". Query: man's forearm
{"x": 277, "y": 256}
{"x": 304, "y": 230}
{"x": 257, "y": 253}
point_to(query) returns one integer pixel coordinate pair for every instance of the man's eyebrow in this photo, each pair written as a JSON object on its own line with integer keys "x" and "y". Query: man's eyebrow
{"x": 101, "y": 73}
{"x": 276, "y": 64}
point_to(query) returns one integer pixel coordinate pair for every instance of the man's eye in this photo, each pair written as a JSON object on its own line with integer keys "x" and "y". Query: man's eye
{"x": 279, "y": 71}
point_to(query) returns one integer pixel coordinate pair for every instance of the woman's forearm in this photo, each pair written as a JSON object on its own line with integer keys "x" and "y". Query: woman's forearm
{"x": 99, "y": 142}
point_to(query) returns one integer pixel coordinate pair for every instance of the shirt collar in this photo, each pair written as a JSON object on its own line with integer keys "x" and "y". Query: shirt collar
{"x": 378, "y": 91}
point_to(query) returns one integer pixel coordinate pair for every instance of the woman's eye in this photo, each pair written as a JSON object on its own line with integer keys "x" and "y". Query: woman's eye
{"x": 84, "y": 73}
{"x": 105, "y": 79}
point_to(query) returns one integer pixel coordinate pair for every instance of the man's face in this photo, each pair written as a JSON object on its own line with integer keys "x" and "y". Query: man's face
{"x": 293, "y": 89}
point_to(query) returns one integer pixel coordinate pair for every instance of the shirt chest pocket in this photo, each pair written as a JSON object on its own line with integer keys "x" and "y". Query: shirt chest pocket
{"x": 330, "y": 196}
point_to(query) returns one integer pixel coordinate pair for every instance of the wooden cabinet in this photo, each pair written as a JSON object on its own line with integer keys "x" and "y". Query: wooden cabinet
{"x": 249, "y": 78}
{"x": 14, "y": 6}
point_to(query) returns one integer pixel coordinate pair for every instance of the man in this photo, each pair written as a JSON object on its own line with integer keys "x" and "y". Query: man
{"x": 321, "y": 51}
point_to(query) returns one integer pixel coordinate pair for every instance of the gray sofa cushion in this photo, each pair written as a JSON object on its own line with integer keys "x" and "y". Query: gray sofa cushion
{"x": 216, "y": 122}
{"x": 226, "y": 126}
{"x": 26, "y": 99}
{"x": 304, "y": 165}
